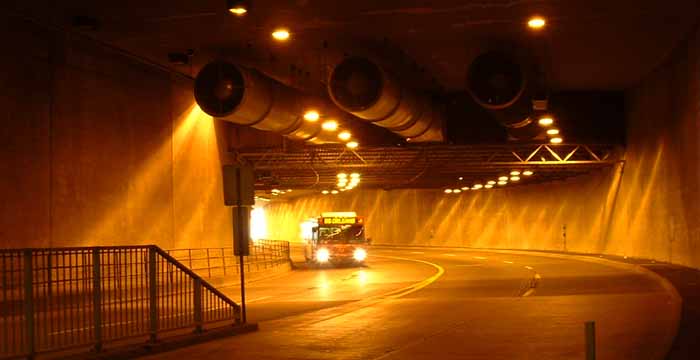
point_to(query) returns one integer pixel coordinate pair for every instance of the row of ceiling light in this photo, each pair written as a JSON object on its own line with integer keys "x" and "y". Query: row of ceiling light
{"x": 344, "y": 183}
{"x": 332, "y": 125}
{"x": 547, "y": 121}
{"x": 503, "y": 180}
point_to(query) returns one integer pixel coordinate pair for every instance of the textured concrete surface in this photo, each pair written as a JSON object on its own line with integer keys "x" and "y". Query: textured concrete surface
{"x": 485, "y": 305}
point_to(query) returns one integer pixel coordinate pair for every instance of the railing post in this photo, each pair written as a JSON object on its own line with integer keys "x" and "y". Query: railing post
{"x": 590, "y": 340}
{"x": 152, "y": 294}
{"x": 29, "y": 302}
{"x": 97, "y": 298}
{"x": 197, "y": 301}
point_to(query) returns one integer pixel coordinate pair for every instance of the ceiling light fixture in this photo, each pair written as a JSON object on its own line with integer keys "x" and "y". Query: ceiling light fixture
{"x": 465, "y": 188}
{"x": 477, "y": 187}
{"x": 536, "y": 22}
{"x": 503, "y": 178}
{"x": 502, "y": 182}
{"x": 344, "y": 135}
{"x": 324, "y": 192}
{"x": 311, "y": 116}
{"x": 456, "y": 191}
{"x": 515, "y": 173}
{"x": 488, "y": 186}
{"x": 553, "y": 132}
{"x": 342, "y": 175}
{"x": 448, "y": 191}
{"x": 281, "y": 34}
{"x": 491, "y": 182}
{"x": 546, "y": 121}
{"x": 334, "y": 192}
{"x": 237, "y": 7}
{"x": 352, "y": 145}
{"x": 556, "y": 140}
{"x": 515, "y": 178}
{"x": 528, "y": 172}
{"x": 330, "y": 125}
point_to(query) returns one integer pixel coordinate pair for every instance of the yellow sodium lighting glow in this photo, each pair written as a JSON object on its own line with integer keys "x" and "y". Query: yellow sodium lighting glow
{"x": 515, "y": 173}
{"x": 556, "y": 140}
{"x": 330, "y": 125}
{"x": 546, "y": 121}
{"x": 527, "y": 172}
{"x": 311, "y": 116}
{"x": 258, "y": 224}
{"x": 238, "y": 10}
{"x": 448, "y": 191}
{"x": 553, "y": 132}
{"x": 352, "y": 145}
{"x": 280, "y": 34}
{"x": 503, "y": 178}
{"x": 515, "y": 178}
{"x": 536, "y": 22}
{"x": 344, "y": 135}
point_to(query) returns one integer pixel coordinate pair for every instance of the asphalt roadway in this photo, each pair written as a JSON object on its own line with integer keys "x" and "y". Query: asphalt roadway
{"x": 454, "y": 304}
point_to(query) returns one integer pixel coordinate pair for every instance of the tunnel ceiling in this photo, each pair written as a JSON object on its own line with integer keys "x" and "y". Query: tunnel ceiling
{"x": 589, "y": 47}
{"x": 589, "y": 44}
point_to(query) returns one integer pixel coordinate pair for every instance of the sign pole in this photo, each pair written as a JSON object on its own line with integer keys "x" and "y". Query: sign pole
{"x": 243, "y": 314}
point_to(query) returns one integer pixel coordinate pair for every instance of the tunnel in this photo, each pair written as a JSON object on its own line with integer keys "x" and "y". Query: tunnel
{"x": 262, "y": 179}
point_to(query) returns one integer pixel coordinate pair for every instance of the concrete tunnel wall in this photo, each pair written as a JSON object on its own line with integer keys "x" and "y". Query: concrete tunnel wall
{"x": 655, "y": 214}
{"x": 98, "y": 149}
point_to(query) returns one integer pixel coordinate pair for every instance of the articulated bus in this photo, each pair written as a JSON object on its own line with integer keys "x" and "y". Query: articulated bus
{"x": 337, "y": 238}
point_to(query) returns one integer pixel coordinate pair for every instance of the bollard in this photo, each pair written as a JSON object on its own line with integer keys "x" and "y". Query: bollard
{"x": 590, "y": 340}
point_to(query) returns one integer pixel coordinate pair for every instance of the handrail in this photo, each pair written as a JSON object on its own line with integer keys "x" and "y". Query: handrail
{"x": 58, "y": 298}
{"x": 194, "y": 275}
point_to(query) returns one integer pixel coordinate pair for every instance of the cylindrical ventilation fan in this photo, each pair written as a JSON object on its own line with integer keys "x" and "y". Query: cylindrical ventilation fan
{"x": 504, "y": 87}
{"x": 246, "y": 97}
{"x": 362, "y": 88}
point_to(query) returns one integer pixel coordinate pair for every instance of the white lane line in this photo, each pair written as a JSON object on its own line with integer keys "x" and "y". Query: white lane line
{"x": 417, "y": 252}
{"x": 480, "y": 257}
{"x": 449, "y": 254}
{"x": 529, "y": 292}
{"x": 528, "y": 267}
{"x": 507, "y": 262}
{"x": 468, "y": 265}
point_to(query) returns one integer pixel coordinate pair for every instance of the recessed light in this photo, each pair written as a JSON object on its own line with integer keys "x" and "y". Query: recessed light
{"x": 237, "y": 7}
{"x": 527, "y": 172}
{"x": 344, "y": 135}
{"x": 311, "y": 116}
{"x": 352, "y": 145}
{"x": 281, "y": 34}
{"x": 536, "y": 22}
{"x": 556, "y": 140}
{"x": 330, "y": 125}
{"x": 546, "y": 121}
{"x": 553, "y": 132}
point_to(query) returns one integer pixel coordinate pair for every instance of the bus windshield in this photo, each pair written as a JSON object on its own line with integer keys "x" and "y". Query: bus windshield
{"x": 341, "y": 234}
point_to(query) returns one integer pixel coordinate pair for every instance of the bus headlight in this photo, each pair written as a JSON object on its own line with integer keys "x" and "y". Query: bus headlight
{"x": 359, "y": 254}
{"x": 323, "y": 255}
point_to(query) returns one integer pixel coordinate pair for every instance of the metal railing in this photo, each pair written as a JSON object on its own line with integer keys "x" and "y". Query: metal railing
{"x": 62, "y": 298}
{"x": 221, "y": 262}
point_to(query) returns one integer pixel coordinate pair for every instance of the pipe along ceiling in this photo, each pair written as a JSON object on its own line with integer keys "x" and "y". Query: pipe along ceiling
{"x": 496, "y": 81}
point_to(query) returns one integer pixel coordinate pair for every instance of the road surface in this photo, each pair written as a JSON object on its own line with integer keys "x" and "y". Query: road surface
{"x": 453, "y": 304}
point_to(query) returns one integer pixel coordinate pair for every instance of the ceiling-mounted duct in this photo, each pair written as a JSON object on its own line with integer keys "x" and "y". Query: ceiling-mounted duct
{"x": 246, "y": 97}
{"x": 500, "y": 84}
{"x": 364, "y": 89}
